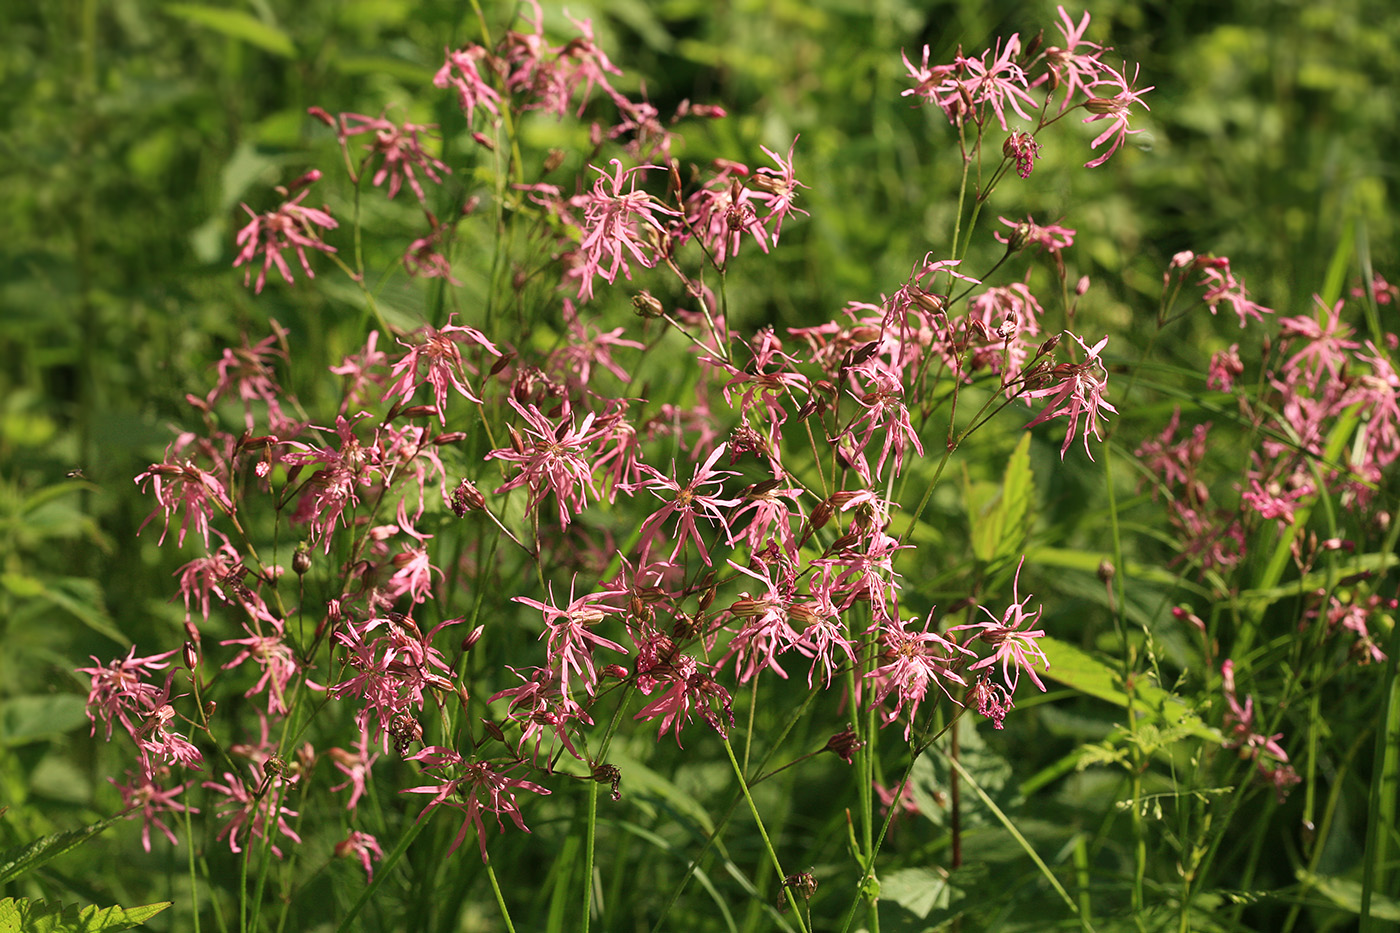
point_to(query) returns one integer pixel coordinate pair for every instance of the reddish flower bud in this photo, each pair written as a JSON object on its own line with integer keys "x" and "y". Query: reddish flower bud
{"x": 844, "y": 745}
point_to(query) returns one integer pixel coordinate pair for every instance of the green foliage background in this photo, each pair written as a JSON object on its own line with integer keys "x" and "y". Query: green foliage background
{"x": 133, "y": 130}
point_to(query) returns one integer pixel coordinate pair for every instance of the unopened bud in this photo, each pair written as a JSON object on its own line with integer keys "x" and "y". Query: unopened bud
{"x": 467, "y": 498}
{"x": 845, "y": 744}
{"x": 928, "y": 301}
{"x": 301, "y": 559}
{"x": 484, "y": 141}
{"x": 1106, "y": 571}
{"x": 647, "y": 305}
{"x": 493, "y": 730}
{"x": 609, "y": 774}
{"x": 1021, "y": 235}
{"x": 321, "y": 115}
{"x": 191, "y": 656}
{"x": 1081, "y": 286}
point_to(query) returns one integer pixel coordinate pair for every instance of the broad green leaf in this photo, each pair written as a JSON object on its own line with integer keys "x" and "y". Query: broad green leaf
{"x": 1000, "y": 518}
{"x": 27, "y": 719}
{"x": 21, "y": 915}
{"x": 1079, "y": 671}
{"x": 236, "y": 25}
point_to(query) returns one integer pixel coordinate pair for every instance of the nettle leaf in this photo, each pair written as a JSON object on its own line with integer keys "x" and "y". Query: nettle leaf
{"x": 21, "y": 915}
{"x": 1000, "y": 517}
{"x": 15, "y": 862}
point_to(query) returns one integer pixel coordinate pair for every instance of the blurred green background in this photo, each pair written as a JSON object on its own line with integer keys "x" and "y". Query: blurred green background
{"x": 133, "y": 130}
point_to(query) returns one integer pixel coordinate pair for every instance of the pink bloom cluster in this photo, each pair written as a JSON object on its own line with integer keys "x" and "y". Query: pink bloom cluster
{"x": 976, "y": 90}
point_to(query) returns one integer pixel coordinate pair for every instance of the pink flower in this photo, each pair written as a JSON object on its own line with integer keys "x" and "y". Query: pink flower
{"x": 551, "y": 459}
{"x": 291, "y": 226}
{"x": 440, "y": 355}
{"x": 184, "y": 485}
{"x": 1225, "y": 368}
{"x": 119, "y": 689}
{"x": 276, "y": 660}
{"x": 1012, "y": 639}
{"x": 459, "y": 71}
{"x": 364, "y": 847}
{"x": 1324, "y": 343}
{"x": 1272, "y": 501}
{"x": 1077, "y": 70}
{"x": 1052, "y": 238}
{"x": 144, "y": 798}
{"x": 1079, "y": 391}
{"x": 571, "y": 641}
{"x": 778, "y": 188}
{"x": 335, "y": 485}
{"x": 1114, "y": 109}
{"x": 613, "y": 224}
{"x": 687, "y": 689}
{"x": 399, "y": 149}
{"x": 1001, "y": 83}
{"x": 155, "y": 738}
{"x": 478, "y": 789}
{"x": 355, "y": 765}
{"x": 686, "y": 503}
{"x": 913, "y": 660}
{"x": 250, "y": 811}
{"x": 424, "y": 257}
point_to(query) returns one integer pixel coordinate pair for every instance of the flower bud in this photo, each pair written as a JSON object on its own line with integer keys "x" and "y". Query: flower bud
{"x": 647, "y": 305}
{"x": 609, "y": 774}
{"x": 1019, "y": 238}
{"x": 493, "y": 730}
{"x": 470, "y": 641}
{"x": 191, "y": 656}
{"x": 301, "y": 559}
{"x": 467, "y": 498}
{"x": 845, "y": 744}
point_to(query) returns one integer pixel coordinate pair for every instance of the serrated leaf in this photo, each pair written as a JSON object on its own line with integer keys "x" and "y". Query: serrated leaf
{"x": 21, "y": 859}
{"x": 80, "y": 597}
{"x": 236, "y": 25}
{"x": 21, "y": 915}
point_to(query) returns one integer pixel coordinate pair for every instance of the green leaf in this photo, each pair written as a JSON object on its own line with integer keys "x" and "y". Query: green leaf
{"x": 21, "y": 859}
{"x": 26, "y": 719}
{"x": 236, "y": 25}
{"x": 78, "y": 596}
{"x": 21, "y": 915}
{"x": 1079, "y": 671}
{"x": 1000, "y": 518}
{"x": 1347, "y": 895}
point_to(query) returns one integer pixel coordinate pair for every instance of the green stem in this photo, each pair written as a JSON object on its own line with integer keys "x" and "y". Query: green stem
{"x": 767, "y": 843}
